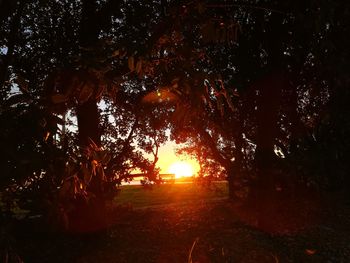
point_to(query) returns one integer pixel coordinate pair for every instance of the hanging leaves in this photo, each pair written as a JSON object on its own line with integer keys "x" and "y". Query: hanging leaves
{"x": 208, "y": 32}
{"x": 15, "y": 99}
{"x": 205, "y": 94}
{"x": 131, "y": 63}
{"x": 100, "y": 156}
{"x": 220, "y": 32}
{"x": 186, "y": 88}
{"x": 220, "y": 105}
{"x": 100, "y": 89}
{"x": 216, "y": 91}
{"x": 233, "y": 29}
{"x": 227, "y": 94}
{"x": 115, "y": 53}
{"x": 86, "y": 173}
{"x": 139, "y": 67}
{"x": 22, "y": 83}
{"x": 85, "y": 93}
{"x": 59, "y": 98}
{"x": 180, "y": 114}
{"x": 57, "y": 120}
{"x": 201, "y": 8}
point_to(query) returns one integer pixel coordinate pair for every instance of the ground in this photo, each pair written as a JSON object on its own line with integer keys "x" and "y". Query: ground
{"x": 186, "y": 223}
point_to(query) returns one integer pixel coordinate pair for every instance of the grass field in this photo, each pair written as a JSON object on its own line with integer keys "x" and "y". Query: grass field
{"x": 183, "y": 193}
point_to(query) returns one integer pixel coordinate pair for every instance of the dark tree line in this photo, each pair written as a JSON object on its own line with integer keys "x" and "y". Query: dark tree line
{"x": 257, "y": 90}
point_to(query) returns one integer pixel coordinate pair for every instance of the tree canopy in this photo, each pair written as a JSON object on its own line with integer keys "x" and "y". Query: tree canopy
{"x": 257, "y": 90}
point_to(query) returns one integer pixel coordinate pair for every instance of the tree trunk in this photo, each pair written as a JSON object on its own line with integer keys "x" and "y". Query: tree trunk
{"x": 87, "y": 112}
{"x": 235, "y": 167}
{"x": 231, "y": 186}
{"x": 267, "y": 120}
{"x": 88, "y": 123}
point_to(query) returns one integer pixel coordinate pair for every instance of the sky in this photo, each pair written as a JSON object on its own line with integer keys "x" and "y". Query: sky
{"x": 167, "y": 157}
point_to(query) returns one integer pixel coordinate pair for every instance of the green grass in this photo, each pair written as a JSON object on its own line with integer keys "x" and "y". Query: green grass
{"x": 139, "y": 196}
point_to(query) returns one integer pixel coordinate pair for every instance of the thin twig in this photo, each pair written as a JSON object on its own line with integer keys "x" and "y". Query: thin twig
{"x": 275, "y": 258}
{"x": 192, "y": 248}
{"x": 247, "y": 6}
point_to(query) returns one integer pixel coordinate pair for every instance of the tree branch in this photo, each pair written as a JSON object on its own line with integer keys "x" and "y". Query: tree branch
{"x": 247, "y": 7}
{"x": 215, "y": 151}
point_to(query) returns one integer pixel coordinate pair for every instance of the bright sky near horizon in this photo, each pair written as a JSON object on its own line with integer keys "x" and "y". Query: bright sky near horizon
{"x": 167, "y": 157}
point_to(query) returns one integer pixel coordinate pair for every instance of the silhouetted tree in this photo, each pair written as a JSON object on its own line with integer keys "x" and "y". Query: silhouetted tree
{"x": 251, "y": 83}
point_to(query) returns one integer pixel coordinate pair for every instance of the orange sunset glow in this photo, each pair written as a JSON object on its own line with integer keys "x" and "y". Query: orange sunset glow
{"x": 181, "y": 169}
{"x": 180, "y": 165}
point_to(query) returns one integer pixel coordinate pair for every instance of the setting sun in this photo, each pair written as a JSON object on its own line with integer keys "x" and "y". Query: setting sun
{"x": 181, "y": 169}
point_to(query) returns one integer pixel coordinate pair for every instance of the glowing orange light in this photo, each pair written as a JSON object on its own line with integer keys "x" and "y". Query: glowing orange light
{"x": 181, "y": 169}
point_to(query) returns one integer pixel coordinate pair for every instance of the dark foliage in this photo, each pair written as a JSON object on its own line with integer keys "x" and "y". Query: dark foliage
{"x": 258, "y": 90}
